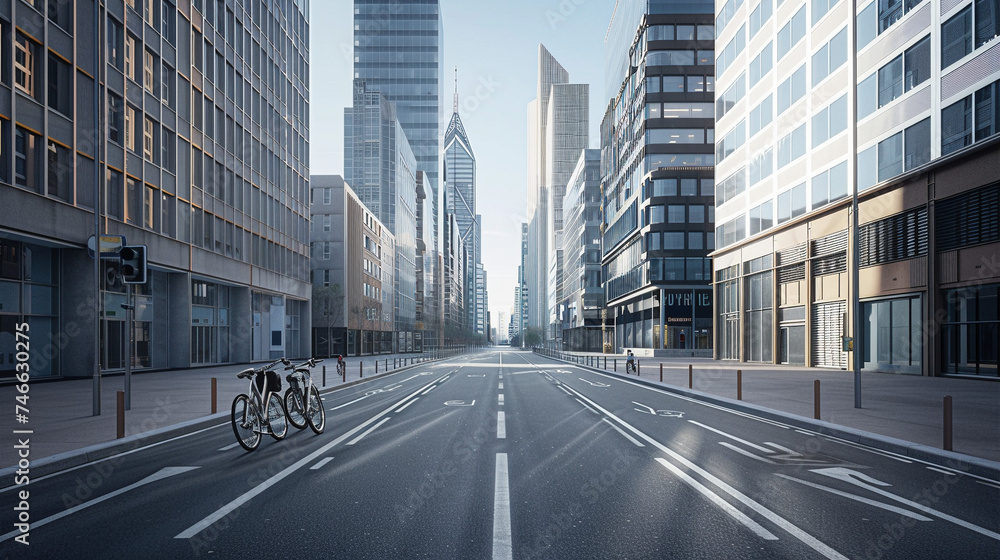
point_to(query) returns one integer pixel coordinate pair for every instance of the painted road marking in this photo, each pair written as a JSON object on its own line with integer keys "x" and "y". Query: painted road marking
{"x": 500, "y": 399}
{"x": 400, "y": 409}
{"x": 460, "y": 403}
{"x": 622, "y": 432}
{"x": 864, "y": 481}
{"x": 595, "y": 383}
{"x": 732, "y": 437}
{"x": 564, "y": 390}
{"x": 501, "y": 426}
{"x": 942, "y": 471}
{"x": 320, "y": 464}
{"x": 230, "y": 446}
{"x": 503, "y": 548}
{"x": 849, "y": 496}
{"x": 988, "y": 484}
{"x": 718, "y": 501}
{"x": 588, "y": 407}
{"x": 278, "y": 477}
{"x": 792, "y": 529}
{"x": 370, "y": 430}
{"x": 429, "y": 389}
{"x": 666, "y": 413}
{"x": 501, "y": 385}
{"x": 158, "y": 475}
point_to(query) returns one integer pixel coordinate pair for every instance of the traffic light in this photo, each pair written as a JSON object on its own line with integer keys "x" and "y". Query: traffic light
{"x": 133, "y": 264}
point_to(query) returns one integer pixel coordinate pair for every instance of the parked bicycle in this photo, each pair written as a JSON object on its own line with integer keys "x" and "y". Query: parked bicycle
{"x": 302, "y": 401}
{"x": 249, "y": 417}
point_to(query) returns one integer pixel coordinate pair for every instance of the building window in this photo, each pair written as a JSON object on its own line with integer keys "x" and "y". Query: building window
{"x": 732, "y": 50}
{"x": 28, "y": 160}
{"x": 792, "y": 203}
{"x": 60, "y": 86}
{"x": 731, "y": 96}
{"x": 760, "y": 316}
{"x": 972, "y": 331}
{"x": 327, "y": 196}
{"x": 792, "y": 146}
{"x": 956, "y": 37}
{"x": 792, "y": 89}
{"x": 761, "y": 166}
{"x": 891, "y": 338}
{"x": 820, "y": 8}
{"x": 60, "y": 179}
{"x": 133, "y": 201}
{"x": 168, "y": 21}
{"x": 760, "y": 15}
{"x": 830, "y": 56}
{"x": 733, "y": 140}
{"x": 149, "y": 67}
{"x": 970, "y": 218}
{"x": 131, "y": 129}
{"x": 116, "y": 56}
{"x": 670, "y": 58}
{"x": 830, "y": 185}
{"x": 149, "y": 150}
{"x": 726, "y": 14}
{"x": 326, "y": 250}
{"x": 114, "y": 192}
{"x": 130, "y": 56}
{"x": 728, "y": 188}
{"x": 61, "y": 13}
{"x": 880, "y": 15}
{"x": 960, "y": 126}
{"x": 761, "y": 217}
{"x": 327, "y": 222}
{"x": 761, "y": 115}
{"x": 830, "y": 121}
{"x": 168, "y": 158}
{"x": 792, "y": 32}
{"x": 762, "y": 63}
{"x": 25, "y": 65}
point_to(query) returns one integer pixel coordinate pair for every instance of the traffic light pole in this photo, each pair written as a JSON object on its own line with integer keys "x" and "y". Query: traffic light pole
{"x": 129, "y": 314}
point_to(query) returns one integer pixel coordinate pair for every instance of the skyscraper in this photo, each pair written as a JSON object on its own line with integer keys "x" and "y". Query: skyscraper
{"x": 182, "y": 146}
{"x": 380, "y": 167}
{"x": 583, "y": 298}
{"x": 398, "y": 50}
{"x": 460, "y": 186}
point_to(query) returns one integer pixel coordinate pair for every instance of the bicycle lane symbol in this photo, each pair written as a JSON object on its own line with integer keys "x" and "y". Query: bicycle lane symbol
{"x": 654, "y": 412}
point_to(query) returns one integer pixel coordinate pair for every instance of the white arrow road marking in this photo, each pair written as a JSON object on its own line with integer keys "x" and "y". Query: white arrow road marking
{"x": 869, "y": 483}
{"x": 158, "y": 475}
{"x": 595, "y": 383}
{"x": 253, "y": 492}
{"x": 887, "y": 507}
{"x": 665, "y": 413}
{"x": 807, "y": 539}
{"x": 460, "y": 403}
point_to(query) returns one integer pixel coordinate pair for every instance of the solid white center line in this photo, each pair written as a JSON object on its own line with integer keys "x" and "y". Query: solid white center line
{"x": 369, "y": 430}
{"x": 500, "y": 399}
{"x": 228, "y": 447}
{"x": 628, "y": 437}
{"x": 429, "y": 389}
{"x": 320, "y": 464}
{"x": 501, "y": 426}
{"x": 503, "y": 548}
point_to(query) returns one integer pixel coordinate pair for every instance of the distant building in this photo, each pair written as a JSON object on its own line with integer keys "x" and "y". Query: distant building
{"x": 352, "y": 270}
{"x": 583, "y": 291}
{"x": 455, "y": 256}
{"x": 657, "y": 144}
{"x": 380, "y": 166}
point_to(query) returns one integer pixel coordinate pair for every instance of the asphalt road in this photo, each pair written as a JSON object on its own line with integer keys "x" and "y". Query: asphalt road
{"x": 510, "y": 455}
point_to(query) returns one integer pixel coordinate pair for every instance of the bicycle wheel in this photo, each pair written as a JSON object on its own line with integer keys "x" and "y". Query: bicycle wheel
{"x": 316, "y": 414}
{"x": 293, "y": 407}
{"x": 276, "y": 417}
{"x": 248, "y": 431}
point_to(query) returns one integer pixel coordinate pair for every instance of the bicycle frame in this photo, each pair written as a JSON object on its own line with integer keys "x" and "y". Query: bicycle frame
{"x": 258, "y": 399}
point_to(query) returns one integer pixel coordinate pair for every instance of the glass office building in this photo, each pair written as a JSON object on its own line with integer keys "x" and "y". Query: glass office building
{"x": 398, "y": 50}
{"x": 460, "y": 185}
{"x": 193, "y": 142}
{"x": 657, "y": 140}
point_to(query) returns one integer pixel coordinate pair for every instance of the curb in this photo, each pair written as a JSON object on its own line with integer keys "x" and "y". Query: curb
{"x": 950, "y": 459}
{"x": 99, "y": 451}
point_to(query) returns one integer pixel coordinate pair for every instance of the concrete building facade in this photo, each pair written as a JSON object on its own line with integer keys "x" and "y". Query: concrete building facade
{"x": 183, "y": 129}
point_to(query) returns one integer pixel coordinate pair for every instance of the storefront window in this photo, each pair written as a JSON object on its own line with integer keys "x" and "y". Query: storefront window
{"x": 972, "y": 334}
{"x": 891, "y": 336}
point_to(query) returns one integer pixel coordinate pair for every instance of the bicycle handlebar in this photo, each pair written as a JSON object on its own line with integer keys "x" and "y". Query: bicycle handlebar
{"x": 310, "y": 363}
{"x": 254, "y": 371}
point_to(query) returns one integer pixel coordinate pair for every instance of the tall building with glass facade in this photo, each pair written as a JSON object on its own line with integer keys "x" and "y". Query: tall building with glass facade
{"x": 193, "y": 142}
{"x": 657, "y": 139}
{"x": 566, "y": 135}
{"x": 460, "y": 187}
{"x": 583, "y": 298}
{"x": 398, "y": 50}
{"x": 536, "y": 267}
{"x": 380, "y": 166}
{"x": 894, "y": 101}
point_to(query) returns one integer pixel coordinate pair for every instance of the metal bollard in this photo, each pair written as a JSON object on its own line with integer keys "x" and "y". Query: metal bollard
{"x": 376, "y": 367}
{"x": 324, "y": 376}
{"x": 690, "y": 376}
{"x": 638, "y": 368}
{"x": 616, "y": 364}
{"x": 661, "y": 372}
{"x": 739, "y": 384}
{"x": 605, "y": 363}
{"x": 816, "y": 399}
{"x": 121, "y": 414}
{"x": 947, "y": 423}
{"x": 344, "y": 373}
{"x": 361, "y": 369}
{"x": 215, "y": 395}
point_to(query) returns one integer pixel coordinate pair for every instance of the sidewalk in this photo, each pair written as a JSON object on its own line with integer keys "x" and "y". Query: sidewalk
{"x": 60, "y": 411}
{"x": 906, "y": 407}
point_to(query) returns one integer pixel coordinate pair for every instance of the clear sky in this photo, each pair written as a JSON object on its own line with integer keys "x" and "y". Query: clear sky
{"x": 495, "y": 47}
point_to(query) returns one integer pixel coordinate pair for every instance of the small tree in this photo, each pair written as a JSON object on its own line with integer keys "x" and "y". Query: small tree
{"x": 532, "y": 336}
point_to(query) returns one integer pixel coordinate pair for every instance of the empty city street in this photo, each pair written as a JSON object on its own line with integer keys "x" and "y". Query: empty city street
{"x": 507, "y": 454}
